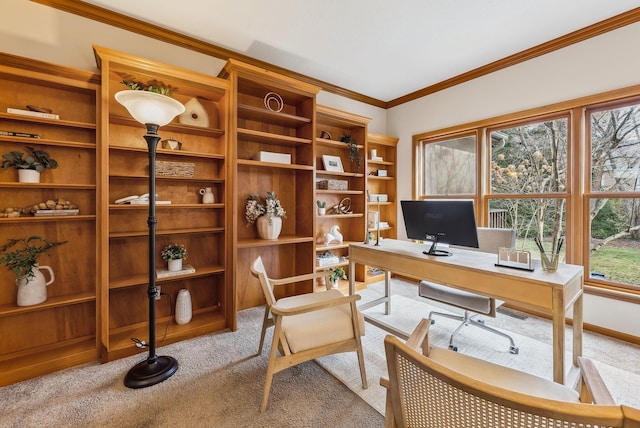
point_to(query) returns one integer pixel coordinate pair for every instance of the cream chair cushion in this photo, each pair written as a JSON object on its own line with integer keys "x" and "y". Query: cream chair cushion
{"x": 317, "y": 328}
{"x": 503, "y": 377}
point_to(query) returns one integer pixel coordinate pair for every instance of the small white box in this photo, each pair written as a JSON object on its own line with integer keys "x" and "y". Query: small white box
{"x": 382, "y": 173}
{"x": 327, "y": 261}
{"x": 273, "y": 157}
{"x": 374, "y": 197}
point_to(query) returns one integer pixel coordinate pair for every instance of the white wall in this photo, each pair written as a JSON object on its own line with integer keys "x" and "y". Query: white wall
{"x": 597, "y": 65}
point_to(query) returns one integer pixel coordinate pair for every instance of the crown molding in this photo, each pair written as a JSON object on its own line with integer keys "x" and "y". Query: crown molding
{"x": 134, "y": 25}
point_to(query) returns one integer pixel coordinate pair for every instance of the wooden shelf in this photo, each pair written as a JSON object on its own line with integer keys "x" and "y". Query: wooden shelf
{"x": 203, "y": 321}
{"x": 48, "y": 122}
{"x": 173, "y": 231}
{"x": 169, "y": 128}
{"x": 143, "y": 279}
{"x": 52, "y": 302}
{"x": 333, "y": 143}
{"x": 263, "y": 115}
{"x": 270, "y": 138}
{"x": 41, "y": 339}
{"x": 282, "y": 240}
{"x": 339, "y": 174}
{"x": 260, "y": 164}
{"x": 202, "y": 228}
{"x": 339, "y": 192}
{"x": 48, "y": 142}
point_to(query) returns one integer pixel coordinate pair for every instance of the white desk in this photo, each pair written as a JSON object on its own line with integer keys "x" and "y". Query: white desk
{"x": 549, "y": 293}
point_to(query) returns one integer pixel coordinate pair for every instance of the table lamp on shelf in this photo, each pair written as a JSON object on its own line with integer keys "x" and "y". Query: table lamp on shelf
{"x": 153, "y": 110}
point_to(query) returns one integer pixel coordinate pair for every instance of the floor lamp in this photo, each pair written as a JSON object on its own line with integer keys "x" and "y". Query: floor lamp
{"x": 153, "y": 110}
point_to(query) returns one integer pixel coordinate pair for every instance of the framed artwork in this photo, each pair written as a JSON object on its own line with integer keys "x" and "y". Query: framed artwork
{"x": 332, "y": 163}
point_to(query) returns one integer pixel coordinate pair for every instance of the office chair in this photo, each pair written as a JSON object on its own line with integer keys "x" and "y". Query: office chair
{"x": 489, "y": 240}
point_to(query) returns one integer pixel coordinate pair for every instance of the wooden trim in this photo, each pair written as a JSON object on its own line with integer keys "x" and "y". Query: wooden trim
{"x": 156, "y": 32}
{"x": 124, "y": 22}
{"x": 37, "y": 66}
{"x": 577, "y": 36}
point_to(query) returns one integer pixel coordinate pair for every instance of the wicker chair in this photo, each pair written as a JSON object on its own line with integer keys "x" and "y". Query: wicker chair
{"x": 307, "y": 326}
{"x": 443, "y": 388}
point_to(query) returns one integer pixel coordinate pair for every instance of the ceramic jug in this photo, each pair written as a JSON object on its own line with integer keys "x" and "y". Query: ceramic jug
{"x": 207, "y": 195}
{"x": 32, "y": 291}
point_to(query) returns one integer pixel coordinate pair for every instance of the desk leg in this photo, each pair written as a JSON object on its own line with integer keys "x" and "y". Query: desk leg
{"x": 387, "y": 292}
{"x": 577, "y": 329}
{"x": 558, "y": 336}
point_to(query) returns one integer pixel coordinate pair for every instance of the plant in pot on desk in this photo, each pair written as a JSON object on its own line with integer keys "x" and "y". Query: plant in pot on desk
{"x": 267, "y": 216}
{"x": 173, "y": 254}
{"x": 336, "y": 275}
{"x": 29, "y": 166}
{"x": 21, "y": 257}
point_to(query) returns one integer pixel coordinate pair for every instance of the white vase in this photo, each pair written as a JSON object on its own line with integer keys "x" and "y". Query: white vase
{"x": 32, "y": 291}
{"x": 322, "y": 210}
{"x": 207, "y": 195}
{"x": 174, "y": 265}
{"x": 269, "y": 231}
{"x": 334, "y": 284}
{"x": 183, "y": 307}
{"x": 28, "y": 176}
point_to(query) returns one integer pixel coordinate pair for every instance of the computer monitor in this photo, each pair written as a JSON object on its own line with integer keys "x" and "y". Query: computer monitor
{"x": 450, "y": 221}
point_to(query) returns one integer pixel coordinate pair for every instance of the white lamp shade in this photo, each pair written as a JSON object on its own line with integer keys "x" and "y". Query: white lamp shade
{"x": 150, "y": 107}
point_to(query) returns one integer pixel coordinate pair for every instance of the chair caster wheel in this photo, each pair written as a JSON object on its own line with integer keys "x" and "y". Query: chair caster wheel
{"x": 514, "y": 350}
{"x": 432, "y": 321}
{"x": 453, "y": 348}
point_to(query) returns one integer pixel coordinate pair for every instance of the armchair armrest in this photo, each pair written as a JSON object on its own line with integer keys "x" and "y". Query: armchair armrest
{"x": 298, "y": 278}
{"x": 320, "y": 304}
{"x": 419, "y": 338}
{"x": 593, "y": 388}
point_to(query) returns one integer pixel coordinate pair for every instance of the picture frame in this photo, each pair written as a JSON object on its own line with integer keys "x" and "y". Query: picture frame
{"x": 332, "y": 163}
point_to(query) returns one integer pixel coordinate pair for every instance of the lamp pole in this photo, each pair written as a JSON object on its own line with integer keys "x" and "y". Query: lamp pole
{"x": 155, "y": 369}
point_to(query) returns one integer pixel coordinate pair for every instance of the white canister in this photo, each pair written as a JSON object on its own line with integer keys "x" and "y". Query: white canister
{"x": 183, "y": 307}
{"x": 207, "y": 195}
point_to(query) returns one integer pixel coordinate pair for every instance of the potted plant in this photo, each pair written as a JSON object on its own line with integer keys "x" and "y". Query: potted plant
{"x": 29, "y": 166}
{"x": 354, "y": 150}
{"x": 267, "y": 215}
{"x": 21, "y": 257}
{"x": 322, "y": 207}
{"x": 173, "y": 254}
{"x": 335, "y": 275}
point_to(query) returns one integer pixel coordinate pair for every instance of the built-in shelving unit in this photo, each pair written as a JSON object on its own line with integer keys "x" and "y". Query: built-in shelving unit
{"x": 381, "y": 180}
{"x": 60, "y": 332}
{"x": 202, "y": 228}
{"x": 345, "y": 187}
{"x": 285, "y": 128}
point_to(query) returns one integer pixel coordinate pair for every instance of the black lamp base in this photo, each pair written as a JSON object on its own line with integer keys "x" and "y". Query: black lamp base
{"x": 147, "y": 373}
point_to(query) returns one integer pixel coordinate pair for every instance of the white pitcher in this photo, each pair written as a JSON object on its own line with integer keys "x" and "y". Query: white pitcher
{"x": 207, "y": 195}
{"x": 32, "y": 291}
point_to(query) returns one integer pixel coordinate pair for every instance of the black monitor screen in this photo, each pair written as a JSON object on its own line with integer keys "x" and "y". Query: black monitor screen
{"x": 441, "y": 221}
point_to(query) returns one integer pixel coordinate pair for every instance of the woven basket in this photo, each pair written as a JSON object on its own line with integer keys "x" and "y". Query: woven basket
{"x": 175, "y": 169}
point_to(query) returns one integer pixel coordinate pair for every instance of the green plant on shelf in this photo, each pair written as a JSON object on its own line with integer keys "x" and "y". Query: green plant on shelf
{"x": 336, "y": 274}
{"x": 174, "y": 252}
{"x": 37, "y": 160}
{"x": 21, "y": 255}
{"x": 137, "y": 86}
{"x": 354, "y": 150}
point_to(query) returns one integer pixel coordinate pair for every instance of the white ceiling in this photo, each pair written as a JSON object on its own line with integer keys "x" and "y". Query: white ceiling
{"x": 380, "y": 48}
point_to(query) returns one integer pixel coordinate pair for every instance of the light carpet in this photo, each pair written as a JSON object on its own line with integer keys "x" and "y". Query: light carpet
{"x": 218, "y": 384}
{"x": 535, "y": 357}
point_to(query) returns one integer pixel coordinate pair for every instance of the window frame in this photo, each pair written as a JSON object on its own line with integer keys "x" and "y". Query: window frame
{"x": 578, "y": 184}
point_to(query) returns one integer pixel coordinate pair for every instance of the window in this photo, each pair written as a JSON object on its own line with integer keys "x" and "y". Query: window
{"x": 565, "y": 173}
{"x": 613, "y": 193}
{"x": 527, "y": 163}
{"x": 450, "y": 167}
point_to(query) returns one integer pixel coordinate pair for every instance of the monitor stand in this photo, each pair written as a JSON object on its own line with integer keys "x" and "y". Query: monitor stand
{"x": 432, "y": 249}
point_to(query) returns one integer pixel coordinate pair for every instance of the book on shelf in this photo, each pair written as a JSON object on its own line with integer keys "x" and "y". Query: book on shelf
{"x": 32, "y": 113}
{"x": 166, "y": 273}
{"x": 19, "y": 134}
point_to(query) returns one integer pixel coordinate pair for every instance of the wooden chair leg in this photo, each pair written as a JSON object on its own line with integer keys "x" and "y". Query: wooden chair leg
{"x": 363, "y": 373}
{"x": 265, "y": 322}
{"x": 273, "y": 354}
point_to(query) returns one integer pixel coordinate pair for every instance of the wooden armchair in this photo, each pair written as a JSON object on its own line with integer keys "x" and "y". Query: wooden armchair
{"x": 307, "y": 326}
{"x": 442, "y": 388}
